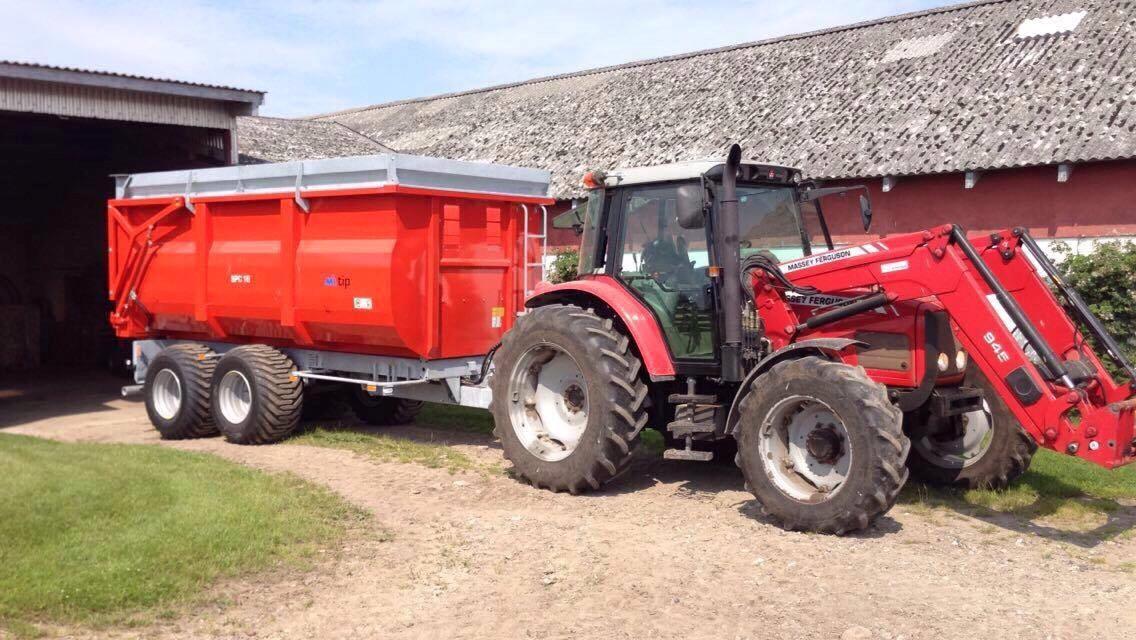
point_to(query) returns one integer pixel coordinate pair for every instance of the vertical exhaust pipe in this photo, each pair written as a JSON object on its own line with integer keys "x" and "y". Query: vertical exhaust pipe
{"x": 730, "y": 262}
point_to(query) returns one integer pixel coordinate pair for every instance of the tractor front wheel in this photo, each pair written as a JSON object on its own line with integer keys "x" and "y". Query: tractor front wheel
{"x": 568, "y": 403}
{"x": 984, "y": 449}
{"x": 820, "y": 446}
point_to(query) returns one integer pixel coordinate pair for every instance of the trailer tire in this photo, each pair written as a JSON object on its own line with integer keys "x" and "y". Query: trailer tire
{"x": 1003, "y": 459}
{"x": 848, "y": 439}
{"x": 184, "y": 371}
{"x": 598, "y": 407}
{"x": 378, "y": 411}
{"x": 256, "y": 399}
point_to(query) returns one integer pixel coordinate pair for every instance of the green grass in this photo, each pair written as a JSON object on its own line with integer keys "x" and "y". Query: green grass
{"x": 114, "y": 534}
{"x": 384, "y": 448}
{"x": 1056, "y": 487}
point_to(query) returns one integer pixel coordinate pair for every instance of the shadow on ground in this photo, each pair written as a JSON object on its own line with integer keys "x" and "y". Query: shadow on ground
{"x": 47, "y": 393}
{"x": 1036, "y": 518}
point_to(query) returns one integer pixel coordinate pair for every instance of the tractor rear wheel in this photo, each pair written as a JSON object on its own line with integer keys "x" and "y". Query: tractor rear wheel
{"x": 568, "y": 403}
{"x": 985, "y": 449}
{"x": 177, "y": 392}
{"x": 820, "y": 446}
{"x": 381, "y": 411}
{"x": 256, "y": 399}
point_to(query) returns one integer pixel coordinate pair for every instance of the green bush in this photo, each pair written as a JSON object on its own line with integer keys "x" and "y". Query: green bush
{"x": 1106, "y": 279}
{"x": 564, "y": 266}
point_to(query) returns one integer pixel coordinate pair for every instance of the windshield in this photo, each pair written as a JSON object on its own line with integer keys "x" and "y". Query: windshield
{"x": 770, "y": 222}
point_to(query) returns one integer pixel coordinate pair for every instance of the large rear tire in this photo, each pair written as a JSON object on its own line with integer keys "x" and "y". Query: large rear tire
{"x": 256, "y": 399}
{"x": 820, "y": 446}
{"x": 379, "y": 411}
{"x": 177, "y": 392}
{"x": 568, "y": 403}
{"x": 985, "y": 449}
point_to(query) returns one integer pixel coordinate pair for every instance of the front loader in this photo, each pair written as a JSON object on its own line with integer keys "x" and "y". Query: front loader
{"x": 712, "y": 305}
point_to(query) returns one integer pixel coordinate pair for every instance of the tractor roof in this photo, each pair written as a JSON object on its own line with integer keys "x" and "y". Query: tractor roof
{"x": 677, "y": 171}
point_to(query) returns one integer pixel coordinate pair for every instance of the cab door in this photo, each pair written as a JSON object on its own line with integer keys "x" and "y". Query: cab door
{"x": 666, "y": 267}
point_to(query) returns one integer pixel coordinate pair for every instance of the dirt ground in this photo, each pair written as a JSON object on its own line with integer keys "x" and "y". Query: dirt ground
{"x": 674, "y": 550}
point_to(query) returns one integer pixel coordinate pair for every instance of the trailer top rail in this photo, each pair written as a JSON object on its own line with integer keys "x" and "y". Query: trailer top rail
{"x": 337, "y": 173}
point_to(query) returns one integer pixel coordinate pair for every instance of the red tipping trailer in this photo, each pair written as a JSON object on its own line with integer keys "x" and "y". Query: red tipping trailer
{"x": 389, "y": 255}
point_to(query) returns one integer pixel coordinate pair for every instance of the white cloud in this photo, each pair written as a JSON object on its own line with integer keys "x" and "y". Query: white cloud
{"x": 319, "y": 56}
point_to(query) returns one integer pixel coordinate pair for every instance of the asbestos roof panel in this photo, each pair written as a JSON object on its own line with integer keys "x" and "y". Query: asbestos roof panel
{"x": 112, "y": 74}
{"x": 263, "y": 139}
{"x": 944, "y": 90}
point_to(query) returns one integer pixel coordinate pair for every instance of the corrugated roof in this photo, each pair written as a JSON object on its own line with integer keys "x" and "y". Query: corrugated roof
{"x": 263, "y": 139}
{"x": 112, "y": 74}
{"x": 944, "y": 90}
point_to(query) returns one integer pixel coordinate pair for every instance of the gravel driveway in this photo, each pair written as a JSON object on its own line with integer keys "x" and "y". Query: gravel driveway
{"x": 673, "y": 550}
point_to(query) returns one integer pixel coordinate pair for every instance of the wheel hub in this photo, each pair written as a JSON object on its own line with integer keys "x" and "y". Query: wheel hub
{"x": 825, "y": 444}
{"x": 166, "y": 394}
{"x": 806, "y": 449}
{"x": 548, "y": 402}
{"x": 235, "y": 397}
{"x": 574, "y": 398}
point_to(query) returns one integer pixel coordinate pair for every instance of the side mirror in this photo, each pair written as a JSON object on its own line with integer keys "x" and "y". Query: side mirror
{"x": 690, "y": 206}
{"x": 865, "y": 212}
{"x": 571, "y": 219}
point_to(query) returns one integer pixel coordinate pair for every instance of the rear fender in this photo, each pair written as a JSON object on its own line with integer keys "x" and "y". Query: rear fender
{"x": 603, "y": 291}
{"x": 827, "y": 348}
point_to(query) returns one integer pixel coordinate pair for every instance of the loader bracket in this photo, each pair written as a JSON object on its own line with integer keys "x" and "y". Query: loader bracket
{"x": 1023, "y": 386}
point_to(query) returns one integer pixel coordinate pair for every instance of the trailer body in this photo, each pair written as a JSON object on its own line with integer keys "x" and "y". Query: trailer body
{"x": 402, "y": 257}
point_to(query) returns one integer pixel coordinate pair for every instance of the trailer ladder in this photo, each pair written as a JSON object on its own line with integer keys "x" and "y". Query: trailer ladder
{"x": 543, "y": 238}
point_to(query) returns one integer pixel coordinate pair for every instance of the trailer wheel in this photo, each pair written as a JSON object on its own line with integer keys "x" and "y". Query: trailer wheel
{"x": 985, "y": 449}
{"x": 820, "y": 446}
{"x": 256, "y": 399}
{"x": 568, "y": 403}
{"x": 177, "y": 392}
{"x": 381, "y": 411}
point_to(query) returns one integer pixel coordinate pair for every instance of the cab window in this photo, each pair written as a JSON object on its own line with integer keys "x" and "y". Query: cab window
{"x": 770, "y": 222}
{"x": 666, "y": 266}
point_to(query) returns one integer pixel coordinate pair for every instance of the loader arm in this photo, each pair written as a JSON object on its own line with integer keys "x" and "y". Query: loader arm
{"x": 1002, "y": 312}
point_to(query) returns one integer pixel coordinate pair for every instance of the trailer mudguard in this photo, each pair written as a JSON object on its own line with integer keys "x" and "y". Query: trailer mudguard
{"x": 640, "y": 322}
{"x": 830, "y": 348}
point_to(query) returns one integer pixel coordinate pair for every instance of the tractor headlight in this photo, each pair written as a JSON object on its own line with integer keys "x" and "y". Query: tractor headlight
{"x": 944, "y": 362}
{"x": 960, "y": 360}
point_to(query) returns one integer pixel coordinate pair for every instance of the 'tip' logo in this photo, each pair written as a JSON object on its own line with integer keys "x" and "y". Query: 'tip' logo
{"x": 337, "y": 281}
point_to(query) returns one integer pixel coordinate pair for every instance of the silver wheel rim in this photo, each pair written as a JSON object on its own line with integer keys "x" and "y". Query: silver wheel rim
{"x": 548, "y": 402}
{"x": 805, "y": 449}
{"x": 166, "y": 394}
{"x": 965, "y": 449}
{"x": 234, "y": 397}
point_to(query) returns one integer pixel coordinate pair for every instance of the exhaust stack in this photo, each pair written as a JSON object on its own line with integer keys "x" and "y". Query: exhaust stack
{"x": 729, "y": 261}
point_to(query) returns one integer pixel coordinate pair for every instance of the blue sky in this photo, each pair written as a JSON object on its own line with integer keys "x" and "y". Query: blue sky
{"x": 314, "y": 57}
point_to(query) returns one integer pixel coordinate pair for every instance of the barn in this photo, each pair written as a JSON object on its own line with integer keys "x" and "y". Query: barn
{"x": 63, "y": 133}
{"x": 985, "y": 114}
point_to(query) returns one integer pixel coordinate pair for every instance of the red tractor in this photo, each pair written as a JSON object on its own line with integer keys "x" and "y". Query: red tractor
{"x": 712, "y": 301}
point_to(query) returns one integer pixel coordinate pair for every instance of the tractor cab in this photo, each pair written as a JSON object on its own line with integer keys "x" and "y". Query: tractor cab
{"x": 658, "y": 230}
